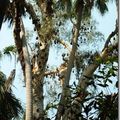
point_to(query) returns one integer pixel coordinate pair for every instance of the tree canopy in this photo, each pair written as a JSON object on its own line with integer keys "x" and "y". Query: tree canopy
{"x": 73, "y": 83}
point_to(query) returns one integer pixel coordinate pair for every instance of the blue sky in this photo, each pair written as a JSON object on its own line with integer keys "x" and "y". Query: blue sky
{"x": 106, "y": 25}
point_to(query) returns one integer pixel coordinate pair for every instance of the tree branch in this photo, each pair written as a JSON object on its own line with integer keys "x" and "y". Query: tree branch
{"x": 64, "y": 44}
{"x": 110, "y": 36}
{"x": 88, "y": 73}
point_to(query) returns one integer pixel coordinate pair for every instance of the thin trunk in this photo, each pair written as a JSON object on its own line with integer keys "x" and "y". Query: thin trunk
{"x": 65, "y": 97}
{"x": 19, "y": 35}
{"x": 28, "y": 74}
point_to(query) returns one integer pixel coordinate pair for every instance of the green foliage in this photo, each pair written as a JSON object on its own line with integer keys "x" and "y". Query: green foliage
{"x": 9, "y": 50}
{"x": 103, "y": 107}
{"x": 101, "y": 104}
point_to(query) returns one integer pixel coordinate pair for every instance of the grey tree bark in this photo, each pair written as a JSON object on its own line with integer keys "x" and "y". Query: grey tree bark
{"x": 28, "y": 74}
{"x": 44, "y": 37}
{"x": 62, "y": 112}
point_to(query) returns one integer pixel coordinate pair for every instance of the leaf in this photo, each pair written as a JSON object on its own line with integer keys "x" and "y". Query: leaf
{"x": 74, "y": 84}
{"x": 98, "y": 76}
{"x": 59, "y": 95}
{"x": 91, "y": 103}
{"x": 110, "y": 81}
{"x": 103, "y": 85}
{"x": 9, "y": 49}
{"x": 102, "y": 72}
{"x": 87, "y": 109}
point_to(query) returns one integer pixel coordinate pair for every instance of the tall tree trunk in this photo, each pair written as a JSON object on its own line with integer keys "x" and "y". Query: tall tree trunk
{"x": 20, "y": 41}
{"x": 28, "y": 74}
{"x": 65, "y": 97}
{"x": 38, "y": 79}
{"x": 44, "y": 33}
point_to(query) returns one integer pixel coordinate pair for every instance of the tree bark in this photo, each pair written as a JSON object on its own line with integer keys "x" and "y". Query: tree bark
{"x": 65, "y": 97}
{"x": 44, "y": 37}
{"x": 28, "y": 74}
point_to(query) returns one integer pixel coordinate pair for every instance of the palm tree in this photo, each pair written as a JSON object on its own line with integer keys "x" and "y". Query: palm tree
{"x": 13, "y": 14}
{"x": 10, "y": 105}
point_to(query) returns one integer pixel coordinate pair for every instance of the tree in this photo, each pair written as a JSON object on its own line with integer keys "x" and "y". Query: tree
{"x": 48, "y": 18}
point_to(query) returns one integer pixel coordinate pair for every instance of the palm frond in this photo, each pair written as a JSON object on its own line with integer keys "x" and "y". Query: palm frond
{"x": 9, "y": 50}
{"x": 10, "y": 106}
{"x": 3, "y": 8}
{"x": 102, "y": 6}
{"x": 10, "y": 13}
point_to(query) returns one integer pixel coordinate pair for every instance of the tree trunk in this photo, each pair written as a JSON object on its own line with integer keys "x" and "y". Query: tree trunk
{"x": 44, "y": 33}
{"x": 20, "y": 41}
{"x": 28, "y": 74}
{"x": 38, "y": 98}
{"x": 65, "y": 97}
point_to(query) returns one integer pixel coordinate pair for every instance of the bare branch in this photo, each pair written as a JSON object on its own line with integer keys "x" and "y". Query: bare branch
{"x": 110, "y": 36}
{"x": 64, "y": 44}
{"x": 52, "y": 72}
